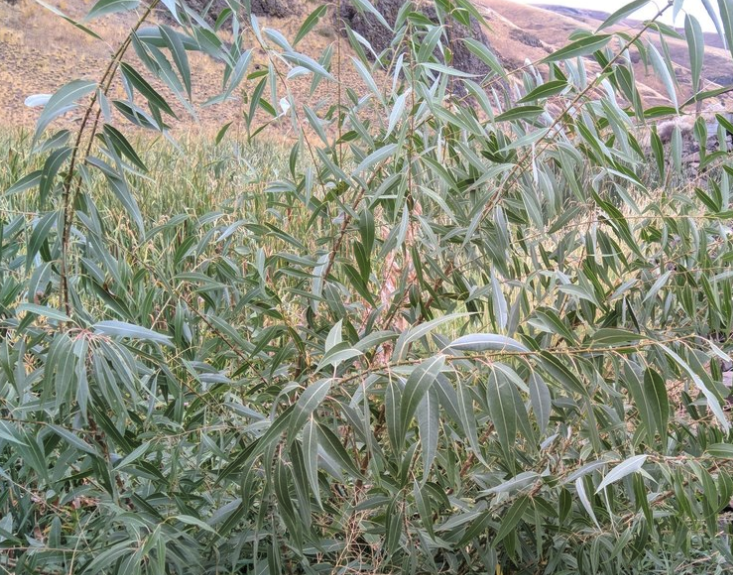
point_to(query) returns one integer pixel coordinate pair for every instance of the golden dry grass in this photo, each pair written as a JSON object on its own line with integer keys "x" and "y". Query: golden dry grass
{"x": 39, "y": 53}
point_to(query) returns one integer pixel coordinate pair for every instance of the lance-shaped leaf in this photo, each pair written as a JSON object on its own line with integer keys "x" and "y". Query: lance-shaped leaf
{"x": 123, "y": 329}
{"x": 520, "y": 113}
{"x": 465, "y": 407}
{"x": 417, "y": 386}
{"x": 332, "y": 445}
{"x": 144, "y": 87}
{"x": 614, "y": 336}
{"x": 307, "y": 403}
{"x": 721, "y": 450}
{"x": 505, "y": 406}
{"x": 662, "y": 69}
{"x": 104, "y": 7}
{"x": 631, "y": 465}
{"x": 539, "y": 394}
{"x": 44, "y": 311}
{"x": 418, "y": 332}
{"x": 479, "y": 342}
{"x": 367, "y": 6}
{"x": 581, "y": 47}
{"x": 310, "y": 457}
{"x": 178, "y": 51}
{"x": 546, "y": 90}
{"x": 712, "y": 400}
{"x": 696, "y": 48}
{"x": 121, "y": 190}
{"x": 309, "y": 23}
{"x": 63, "y": 100}
{"x": 428, "y": 422}
{"x": 585, "y": 500}
{"x": 337, "y": 354}
{"x": 623, "y": 12}
{"x": 512, "y": 517}
{"x": 726, "y": 16}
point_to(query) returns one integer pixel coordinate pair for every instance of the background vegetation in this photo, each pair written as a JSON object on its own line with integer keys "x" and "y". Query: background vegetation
{"x": 454, "y": 322}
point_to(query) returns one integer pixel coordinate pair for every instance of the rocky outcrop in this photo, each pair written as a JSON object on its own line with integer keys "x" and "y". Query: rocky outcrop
{"x": 368, "y": 26}
{"x": 269, "y": 8}
{"x": 274, "y": 8}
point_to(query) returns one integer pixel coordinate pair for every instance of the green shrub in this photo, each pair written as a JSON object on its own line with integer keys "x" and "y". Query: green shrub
{"x": 436, "y": 334}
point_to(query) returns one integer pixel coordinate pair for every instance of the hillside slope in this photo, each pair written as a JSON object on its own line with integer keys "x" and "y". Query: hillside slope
{"x": 39, "y": 52}
{"x": 527, "y": 26}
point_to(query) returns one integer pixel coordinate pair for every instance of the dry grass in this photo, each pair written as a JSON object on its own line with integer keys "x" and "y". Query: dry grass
{"x": 39, "y": 52}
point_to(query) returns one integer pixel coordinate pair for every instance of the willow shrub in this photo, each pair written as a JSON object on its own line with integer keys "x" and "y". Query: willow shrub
{"x": 475, "y": 334}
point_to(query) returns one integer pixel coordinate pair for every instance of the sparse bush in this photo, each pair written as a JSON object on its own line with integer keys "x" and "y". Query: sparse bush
{"x": 425, "y": 338}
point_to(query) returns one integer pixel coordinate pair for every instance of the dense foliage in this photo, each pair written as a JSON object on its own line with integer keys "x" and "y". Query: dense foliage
{"x": 437, "y": 333}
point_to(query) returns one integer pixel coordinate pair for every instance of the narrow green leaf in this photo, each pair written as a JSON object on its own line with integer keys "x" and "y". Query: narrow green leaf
{"x": 144, "y": 87}
{"x": 178, "y": 51}
{"x": 310, "y": 456}
{"x": 367, "y": 6}
{"x": 123, "y": 329}
{"x": 622, "y": 13}
{"x": 27, "y": 182}
{"x": 696, "y": 48}
{"x": 468, "y": 417}
{"x": 479, "y": 342}
{"x": 447, "y": 70}
{"x": 662, "y": 69}
{"x": 134, "y": 455}
{"x": 546, "y": 90}
{"x": 712, "y": 400}
{"x": 581, "y": 47}
{"x": 190, "y": 520}
{"x": 502, "y": 398}
{"x": 44, "y": 311}
{"x": 420, "y": 331}
{"x": 123, "y": 146}
{"x": 63, "y": 100}
{"x": 74, "y": 440}
{"x": 333, "y": 447}
{"x": 222, "y": 132}
{"x": 379, "y": 155}
{"x": 69, "y": 20}
{"x": 417, "y": 386}
{"x": 104, "y": 7}
{"x": 482, "y": 51}
{"x": 422, "y": 502}
{"x": 656, "y": 392}
{"x": 307, "y": 403}
{"x": 309, "y": 23}
{"x": 721, "y": 450}
{"x": 338, "y": 354}
{"x": 631, "y": 465}
{"x": 726, "y": 16}
{"x": 615, "y": 336}
{"x": 428, "y": 421}
{"x": 511, "y": 519}
{"x": 585, "y": 500}
{"x": 41, "y": 230}
{"x": 517, "y": 113}
{"x": 541, "y": 400}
